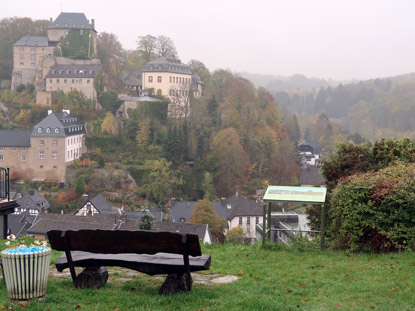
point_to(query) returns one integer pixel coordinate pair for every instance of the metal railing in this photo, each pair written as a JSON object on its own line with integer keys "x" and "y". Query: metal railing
{"x": 4, "y": 183}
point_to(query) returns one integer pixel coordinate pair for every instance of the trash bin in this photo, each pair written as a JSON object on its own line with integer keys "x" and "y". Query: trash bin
{"x": 26, "y": 271}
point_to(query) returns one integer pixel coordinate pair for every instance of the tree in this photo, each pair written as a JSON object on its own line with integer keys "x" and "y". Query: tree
{"x": 80, "y": 186}
{"x": 207, "y": 186}
{"x": 229, "y": 161}
{"x": 197, "y": 67}
{"x": 161, "y": 181}
{"x": 108, "y": 46}
{"x": 108, "y": 123}
{"x": 146, "y": 221}
{"x": 148, "y": 45}
{"x": 165, "y": 47}
{"x": 203, "y": 213}
{"x": 109, "y": 101}
{"x": 143, "y": 135}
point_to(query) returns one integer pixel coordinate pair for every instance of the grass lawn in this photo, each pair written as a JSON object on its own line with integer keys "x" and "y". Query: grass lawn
{"x": 277, "y": 278}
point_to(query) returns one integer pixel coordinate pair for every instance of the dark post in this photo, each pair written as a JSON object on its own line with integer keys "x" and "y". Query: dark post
{"x": 323, "y": 227}
{"x": 269, "y": 221}
{"x": 264, "y": 223}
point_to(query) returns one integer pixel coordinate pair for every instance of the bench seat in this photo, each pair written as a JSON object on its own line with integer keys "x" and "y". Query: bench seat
{"x": 160, "y": 263}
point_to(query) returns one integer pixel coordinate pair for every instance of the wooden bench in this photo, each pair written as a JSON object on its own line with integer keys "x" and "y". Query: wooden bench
{"x": 149, "y": 252}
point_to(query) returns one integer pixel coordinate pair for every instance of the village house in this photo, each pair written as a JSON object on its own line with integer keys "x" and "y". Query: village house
{"x": 237, "y": 210}
{"x": 30, "y": 205}
{"x": 27, "y": 56}
{"x": 44, "y": 152}
{"x": 66, "y": 22}
{"x": 173, "y": 79}
{"x": 67, "y": 77}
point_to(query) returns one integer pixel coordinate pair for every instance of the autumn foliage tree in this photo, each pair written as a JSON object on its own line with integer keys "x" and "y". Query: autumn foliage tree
{"x": 203, "y": 213}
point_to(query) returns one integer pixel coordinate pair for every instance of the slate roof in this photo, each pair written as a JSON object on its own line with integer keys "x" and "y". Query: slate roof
{"x": 70, "y": 71}
{"x": 314, "y": 144}
{"x": 198, "y": 229}
{"x": 19, "y": 223}
{"x": 311, "y": 176}
{"x": 32, "y": 41}
{"x": 60, "y": 124}
{"x": 183, "y": 209}
{"x": 163, "y": 64}
{"x": 15, "y": 138}
{"x": 33, "y": 200}
{"x": 130, "y": 78}
{"x": 67, "y": 20}
{"x": 241, "y": 206}
{"x": 50, "y": 221}
{"x": 196, "y": 79}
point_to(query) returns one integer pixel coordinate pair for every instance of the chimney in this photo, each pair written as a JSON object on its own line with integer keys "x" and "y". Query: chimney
{"x": 32, "y": 192}
{"x": 66, "y": 110}
{"x": 51, "y": 20}
{"x": 84, "y": 198}
{"x": 49, "y": 112}
{"x": 93, "y": 23}
{"x": 173, "y": 201}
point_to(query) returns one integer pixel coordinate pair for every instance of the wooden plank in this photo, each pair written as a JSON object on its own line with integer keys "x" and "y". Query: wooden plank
{"x": 161, "y": 263}
{"x": 119, "y": 241}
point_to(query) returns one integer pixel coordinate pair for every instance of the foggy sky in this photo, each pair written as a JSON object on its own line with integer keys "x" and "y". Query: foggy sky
{"x": 338, "y": 39}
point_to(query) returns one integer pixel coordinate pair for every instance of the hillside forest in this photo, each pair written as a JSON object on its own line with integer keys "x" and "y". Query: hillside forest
{"x": 238, "y": 137}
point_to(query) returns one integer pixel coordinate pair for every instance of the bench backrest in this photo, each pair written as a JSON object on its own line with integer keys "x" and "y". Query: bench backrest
{"x": 123, "y": 241}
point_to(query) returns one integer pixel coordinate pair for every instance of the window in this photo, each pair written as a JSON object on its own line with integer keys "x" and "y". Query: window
{"x": 21, "y": 49}
{"x": 50, "y": 80}
{"x": 39, "y": 130}
{"x": 32, "y": 56}
{"x": 41, "y": 142}
{"x": 73, "y": 81}
{"x": 240, "y": 221}
{"x": 21, "y": 56}
{"x": 54, "y": 142}
{"x": 88, "y": 81}
{"x": 257, "y": 220}
{"x": 14, "y": 148}
{"x": 1, "y": 148}
{"x": 182, "y": 219}
{"x": 248, "y": 221}
{"x": 55, "y": 155}
{"x": 1, "y": 157}
{"x": 57, "y": 80}
{"x": 56, "y": 130}
{"x": 48, "y": 130}
{"x": 32, "y": 64}
{"x": 21, "y": 64}
{"x": 150, "y": 79}
{"x": 23, "y": 148}
{"x": 65, "y": 81}
{"x": 170, "y": 79}
{"x": 41, "y": 155}
{"x": 159, "y": 79}
{"x": 23, "y": 157}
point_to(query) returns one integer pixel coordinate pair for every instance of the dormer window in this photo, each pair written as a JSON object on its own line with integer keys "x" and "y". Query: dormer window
{"x": 53, "y": 72}
{"x": 56, "y": 130}
{"x": 48, "y": 130}
{"x": 39, "y": 130}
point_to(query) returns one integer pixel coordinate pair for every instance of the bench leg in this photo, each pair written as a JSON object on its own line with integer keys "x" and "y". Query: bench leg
{"x": 91, "y": 277}
{"x": 176, "y": 283}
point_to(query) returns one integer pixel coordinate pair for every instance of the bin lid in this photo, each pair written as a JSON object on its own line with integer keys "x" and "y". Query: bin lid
{"x": 26, "y": 250}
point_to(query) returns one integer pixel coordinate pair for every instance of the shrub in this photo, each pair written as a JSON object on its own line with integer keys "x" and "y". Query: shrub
{"x": 235, "y": 235}
{"x": 374, "y": 211}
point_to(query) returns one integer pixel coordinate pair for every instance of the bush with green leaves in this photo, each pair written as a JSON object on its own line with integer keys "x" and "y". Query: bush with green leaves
{"x": 374, "y": 211}
{"x": 235, "y": 235}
